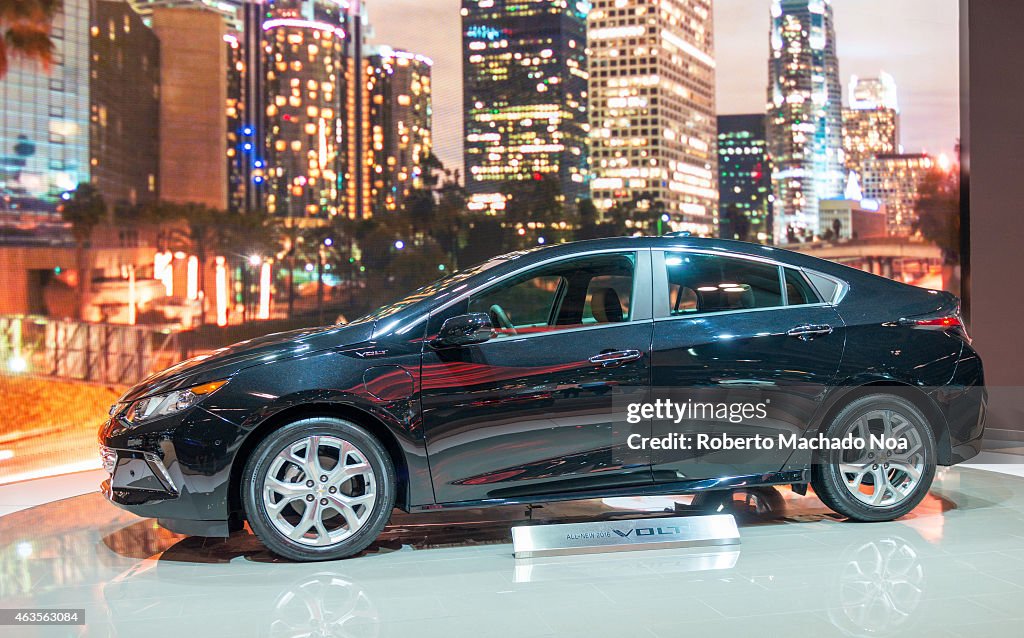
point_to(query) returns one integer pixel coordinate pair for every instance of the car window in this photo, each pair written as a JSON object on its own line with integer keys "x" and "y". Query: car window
{"x": 827, "y": 288}
{"x": 700, "y": 283}
{"x": 574, "y": 293}
{"x": 798, "y": 290}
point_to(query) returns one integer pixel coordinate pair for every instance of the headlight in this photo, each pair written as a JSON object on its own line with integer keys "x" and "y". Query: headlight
{"x": 159, "y": 405}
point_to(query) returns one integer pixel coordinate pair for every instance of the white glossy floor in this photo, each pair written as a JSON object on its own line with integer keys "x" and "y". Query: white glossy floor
{"x": 954, "y": 567}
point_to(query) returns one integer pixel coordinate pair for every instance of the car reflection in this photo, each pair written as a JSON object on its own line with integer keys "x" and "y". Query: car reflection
{"x": 323, "y": 604}
{"x": 879, "y": 585}
{"x": 875, "y": 586}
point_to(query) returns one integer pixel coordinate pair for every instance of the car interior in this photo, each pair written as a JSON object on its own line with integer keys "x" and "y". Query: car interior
{"x": 570, "y": 294}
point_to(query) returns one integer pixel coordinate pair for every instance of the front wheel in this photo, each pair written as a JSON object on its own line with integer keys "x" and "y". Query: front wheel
{"x": 318, "y": 489}
{"x": 888, "y": 476}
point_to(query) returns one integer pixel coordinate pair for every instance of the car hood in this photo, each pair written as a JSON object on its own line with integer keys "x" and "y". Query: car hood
{"x": 227, "y": 361}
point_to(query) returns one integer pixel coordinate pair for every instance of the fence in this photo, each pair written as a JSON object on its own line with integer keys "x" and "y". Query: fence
{"x": 104, "y": 353}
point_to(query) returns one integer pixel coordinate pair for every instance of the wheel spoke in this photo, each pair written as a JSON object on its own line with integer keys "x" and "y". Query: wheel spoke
{"x": 342, "y": 474}
{"x": 309, "y": 517}
{"x": 911, "y": 470}
{"x": 285, "y": 488}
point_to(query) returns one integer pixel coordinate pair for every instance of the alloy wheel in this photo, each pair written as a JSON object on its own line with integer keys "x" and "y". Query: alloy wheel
{"x": 319, "y": 490}
{"x": 879, "y": 475}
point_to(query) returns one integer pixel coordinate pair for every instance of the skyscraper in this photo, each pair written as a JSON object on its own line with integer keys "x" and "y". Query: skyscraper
{"x": 744, "y": 178}
{"x": 871, "y": 124}
{"x": 305, "y": 79}
{"x": 193, "y": 85}
{"x": 804, "y": 114}
{"x": 44, "y": 128}
{"x": 524, "y": 95}
{"x": 894, "y": 180}
{"x": 652, "y": 109}
{"x": 400, "y": 124}
{"x": 125, "y": 103}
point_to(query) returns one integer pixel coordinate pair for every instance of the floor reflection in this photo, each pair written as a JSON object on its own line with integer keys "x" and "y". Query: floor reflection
{"x": 452, "y": 573}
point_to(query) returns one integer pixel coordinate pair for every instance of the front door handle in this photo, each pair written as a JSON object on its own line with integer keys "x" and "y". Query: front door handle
{"x": 809, "y": 332}
{"x": 616, "y": 358}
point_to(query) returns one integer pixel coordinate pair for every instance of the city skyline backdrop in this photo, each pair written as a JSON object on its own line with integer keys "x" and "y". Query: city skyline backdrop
{"x": 917, "y": 43}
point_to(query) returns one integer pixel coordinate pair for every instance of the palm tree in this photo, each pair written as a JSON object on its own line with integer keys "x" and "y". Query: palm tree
{"x": 25, "y": 31}
{"x": 84, "y": 210}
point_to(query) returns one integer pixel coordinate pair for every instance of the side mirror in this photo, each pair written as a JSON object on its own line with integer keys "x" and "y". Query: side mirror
{"x": 464, "y": 330}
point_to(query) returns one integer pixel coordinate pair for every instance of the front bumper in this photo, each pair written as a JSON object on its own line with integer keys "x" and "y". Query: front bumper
{"x": 176, "y": 471}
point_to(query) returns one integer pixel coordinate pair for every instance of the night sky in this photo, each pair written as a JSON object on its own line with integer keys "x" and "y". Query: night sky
{"x": 917, "y": 41}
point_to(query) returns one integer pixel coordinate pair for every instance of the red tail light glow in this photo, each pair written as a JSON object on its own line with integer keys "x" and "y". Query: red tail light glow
{"x": 943, "y": 322}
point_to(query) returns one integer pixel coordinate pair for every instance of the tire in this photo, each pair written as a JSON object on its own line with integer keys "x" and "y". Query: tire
{"x": 327, "y": 520}
{"x": 842, "y": 478}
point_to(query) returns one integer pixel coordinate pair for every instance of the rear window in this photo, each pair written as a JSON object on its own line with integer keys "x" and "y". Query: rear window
{"x": 798, "y": 290}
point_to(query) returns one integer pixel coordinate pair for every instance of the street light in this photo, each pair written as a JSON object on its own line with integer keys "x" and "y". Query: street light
{"x": 255, "y": 260}
{"x": 399, "y": 244}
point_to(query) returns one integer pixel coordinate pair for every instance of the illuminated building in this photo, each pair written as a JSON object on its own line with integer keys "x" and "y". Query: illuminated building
{"x": 744, "y": 178}
{"x": 894, "y": 180}
{"x": 400, "y": 124}
{"x": 871, "y": 124}
{"x": 91, "y": 118}
{"x": 652, "y": 109}
{"x": 124, "y": 104}
{"x": 304, "y": 71}
{"x": 804, "y": 115}
{"x": 44, "y": 127}
{"x": 874, "y": 93}
{"x": 525, "y": 96}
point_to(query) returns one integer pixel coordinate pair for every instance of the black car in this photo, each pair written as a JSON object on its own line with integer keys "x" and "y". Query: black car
{"x": 511, "y": 382}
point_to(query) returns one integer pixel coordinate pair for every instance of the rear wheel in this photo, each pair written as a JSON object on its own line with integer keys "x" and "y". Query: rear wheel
{"x": 880, "y": 481}
{"x": 318, "y": 489}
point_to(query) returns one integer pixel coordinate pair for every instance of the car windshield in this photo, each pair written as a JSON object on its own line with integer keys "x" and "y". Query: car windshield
{"x": 437, "y": 287}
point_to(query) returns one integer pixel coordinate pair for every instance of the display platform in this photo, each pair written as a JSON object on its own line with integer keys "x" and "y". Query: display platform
{"x": 955, "y": 566}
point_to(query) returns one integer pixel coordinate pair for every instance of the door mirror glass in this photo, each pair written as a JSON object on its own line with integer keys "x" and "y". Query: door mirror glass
{"x": 464, "y": 330}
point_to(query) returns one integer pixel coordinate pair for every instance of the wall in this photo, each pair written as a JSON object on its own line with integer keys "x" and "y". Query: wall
{"x": 994, "y": 137}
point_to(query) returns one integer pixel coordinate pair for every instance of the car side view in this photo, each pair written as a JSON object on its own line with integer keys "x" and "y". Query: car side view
{"x": 503, "y": 383}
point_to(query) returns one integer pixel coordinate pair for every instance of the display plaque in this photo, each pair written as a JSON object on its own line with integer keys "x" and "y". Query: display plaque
{"x": 531, "y": 541}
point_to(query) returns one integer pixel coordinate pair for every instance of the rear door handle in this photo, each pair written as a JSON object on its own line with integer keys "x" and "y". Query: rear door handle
{"x": 616, "y": 358}
{"x": 810, "y": 331}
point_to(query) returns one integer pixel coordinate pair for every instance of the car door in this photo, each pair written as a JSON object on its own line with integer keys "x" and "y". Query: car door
{"x": 743, "y": 333}
{"x": 529, "y": 412}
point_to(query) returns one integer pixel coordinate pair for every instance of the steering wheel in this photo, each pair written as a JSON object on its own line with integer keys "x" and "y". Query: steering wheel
{"x": 500, "y": 317}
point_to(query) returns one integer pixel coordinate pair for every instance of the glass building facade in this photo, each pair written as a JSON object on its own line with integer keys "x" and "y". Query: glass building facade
{"x": 804, "y": 115}
{"x": 744, "y": 179}
{"x": 400, "y": 125}
{"x": 525, "y": 96}
{"x": 652, "y": 101}
{"x": 44, "y": 120}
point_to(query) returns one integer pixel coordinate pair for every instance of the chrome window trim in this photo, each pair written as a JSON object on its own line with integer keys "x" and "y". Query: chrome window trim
{"x": 564, "y": 331}
{"x": 660, "y": 283}
{"x": 704, "y": 315}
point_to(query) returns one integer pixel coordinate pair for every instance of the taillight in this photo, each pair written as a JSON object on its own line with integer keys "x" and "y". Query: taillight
{"x": 954, "y": 322}
{"x": 943, "y": 322}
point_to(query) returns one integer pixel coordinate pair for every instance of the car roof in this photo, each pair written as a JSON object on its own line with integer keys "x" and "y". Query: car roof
{"x": 681, "y": 241}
